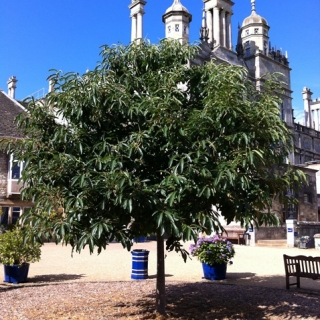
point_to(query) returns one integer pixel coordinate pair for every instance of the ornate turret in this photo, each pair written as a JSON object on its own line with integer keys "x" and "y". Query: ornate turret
{"x": 177, "y": 20}
{"x": 255, "y": 38}
{"x": 254, "y": 33}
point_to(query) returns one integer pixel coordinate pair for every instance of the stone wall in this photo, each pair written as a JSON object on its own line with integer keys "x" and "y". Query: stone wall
{"x": 270, "y": 233}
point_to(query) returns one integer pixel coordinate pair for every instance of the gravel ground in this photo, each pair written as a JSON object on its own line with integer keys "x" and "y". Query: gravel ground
{"x": 99, "y": 287}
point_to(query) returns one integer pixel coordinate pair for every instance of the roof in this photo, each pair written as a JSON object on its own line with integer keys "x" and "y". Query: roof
{"x": 177, "y": 6}
{"x": 254, "y": 18}
{"x": 9, "y": 109}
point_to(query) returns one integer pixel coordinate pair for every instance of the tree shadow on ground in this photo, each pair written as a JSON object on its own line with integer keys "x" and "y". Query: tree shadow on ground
{"x": 276, "y": 282}
{"x": 154, "y": 276}
{"x": 223, "y": 300}
{"x": 42, "y": 280}
{"x": 55, "y": 277}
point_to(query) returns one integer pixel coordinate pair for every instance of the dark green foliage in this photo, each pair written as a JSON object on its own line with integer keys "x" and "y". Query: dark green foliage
{"x": 145, "y": 142}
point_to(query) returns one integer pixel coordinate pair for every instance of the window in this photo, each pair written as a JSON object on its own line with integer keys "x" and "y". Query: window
{"x": 247, "y": 49}
{"x": 15, "y": 214}
{"x": 309, "y": 179}
{"x": 177, "y": 28}
{"x": 265, "y": 47}
{"x": 256, "y": 30}
{"x": 10, "y": 215}
{"x": 307, "y": 198}
{"x": 15, "y": 170}
{"x": 4, "y": 217}
{"x": 169, "y": 29}
{"x": 185, "y": 29}
{"x": 282, "y": 111}
{"x": 247, "y": 32}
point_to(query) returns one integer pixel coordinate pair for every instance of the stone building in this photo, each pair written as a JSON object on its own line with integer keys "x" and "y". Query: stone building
{"x": 255, "y": 53}
{"x": 10, "y": 200}
{"x": 307, "y": 141}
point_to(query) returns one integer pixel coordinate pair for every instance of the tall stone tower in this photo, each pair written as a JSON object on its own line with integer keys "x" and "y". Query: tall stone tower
{"x": 177, "y": 21}
{"x": 260, "y": 58}
{"x": 218, "y": 13}
{"x": 136, "y": 14}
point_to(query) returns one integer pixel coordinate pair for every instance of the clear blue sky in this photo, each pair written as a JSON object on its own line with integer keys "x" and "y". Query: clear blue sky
{"x": 38, "y": 35}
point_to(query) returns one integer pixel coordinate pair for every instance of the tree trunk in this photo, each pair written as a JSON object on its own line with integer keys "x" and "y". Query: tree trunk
{"x": 161, "y": 288}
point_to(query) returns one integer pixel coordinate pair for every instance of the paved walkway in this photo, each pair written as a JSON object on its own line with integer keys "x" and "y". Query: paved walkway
{"x": 257, "y": 266}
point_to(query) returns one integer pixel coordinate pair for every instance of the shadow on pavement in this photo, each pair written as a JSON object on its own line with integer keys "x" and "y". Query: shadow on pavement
{"x": 212, "y": 300}
{"x": 55, "y": 277}
{"x": 43, "y": 280}
{"x": 154, "y": 276}
{"x": 275, "y": 282}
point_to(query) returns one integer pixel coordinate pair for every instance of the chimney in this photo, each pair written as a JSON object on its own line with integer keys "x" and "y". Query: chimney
{"x": 12, "y": 86}
{"x": 51, "y": 86}
{"x": 306, "y": 96}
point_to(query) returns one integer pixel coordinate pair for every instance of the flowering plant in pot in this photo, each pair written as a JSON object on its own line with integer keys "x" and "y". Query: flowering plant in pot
{"x": 16, "y": 253}
{"x": 304, "y": 242}
{"x": 305, "y": 239}
{"x": 214, "y": 252}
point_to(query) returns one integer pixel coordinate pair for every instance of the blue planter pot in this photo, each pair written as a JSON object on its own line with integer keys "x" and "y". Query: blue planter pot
{"x": 139, "y": 264}
{"x": 216, "y": 272}
{"x": 140, "y": 239}
{"x": 16, "y": 274}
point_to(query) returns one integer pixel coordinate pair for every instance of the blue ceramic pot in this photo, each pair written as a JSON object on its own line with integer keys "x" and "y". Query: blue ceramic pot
{"x": 216, "y": 272}
{"x": 16, "y": 274}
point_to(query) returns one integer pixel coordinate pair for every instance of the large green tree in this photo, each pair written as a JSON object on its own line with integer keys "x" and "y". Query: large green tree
{"x": 147, "y": 143}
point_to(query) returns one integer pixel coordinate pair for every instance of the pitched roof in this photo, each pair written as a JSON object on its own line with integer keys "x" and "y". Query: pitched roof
{"x": 9, "y": 109}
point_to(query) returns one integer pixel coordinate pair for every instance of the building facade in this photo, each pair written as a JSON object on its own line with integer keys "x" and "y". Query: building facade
{"x": 10, "y": 171}
{"x": 254, "y": 52}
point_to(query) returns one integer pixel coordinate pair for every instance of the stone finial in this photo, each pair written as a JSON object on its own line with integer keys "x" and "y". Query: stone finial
{"x": 12, "y": 85}
{"x": 253, "y": 5}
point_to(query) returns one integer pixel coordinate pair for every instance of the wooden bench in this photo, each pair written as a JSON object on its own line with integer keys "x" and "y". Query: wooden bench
{"x": 301, "y": 267}
{"x": 234, "y": 234}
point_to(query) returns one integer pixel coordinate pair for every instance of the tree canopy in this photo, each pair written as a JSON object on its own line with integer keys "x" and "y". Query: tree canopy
{"x": 148, "y": 142}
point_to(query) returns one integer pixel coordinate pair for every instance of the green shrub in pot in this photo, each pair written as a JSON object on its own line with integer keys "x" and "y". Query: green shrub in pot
{"x": 15, "y": 249}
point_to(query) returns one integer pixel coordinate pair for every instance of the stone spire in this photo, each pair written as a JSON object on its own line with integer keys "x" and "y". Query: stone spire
{"x": 204, "y": 31}
{"x": 239, "y": 47}
{"x": 136, "y": 13}
{"x": 253, "y": 6}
